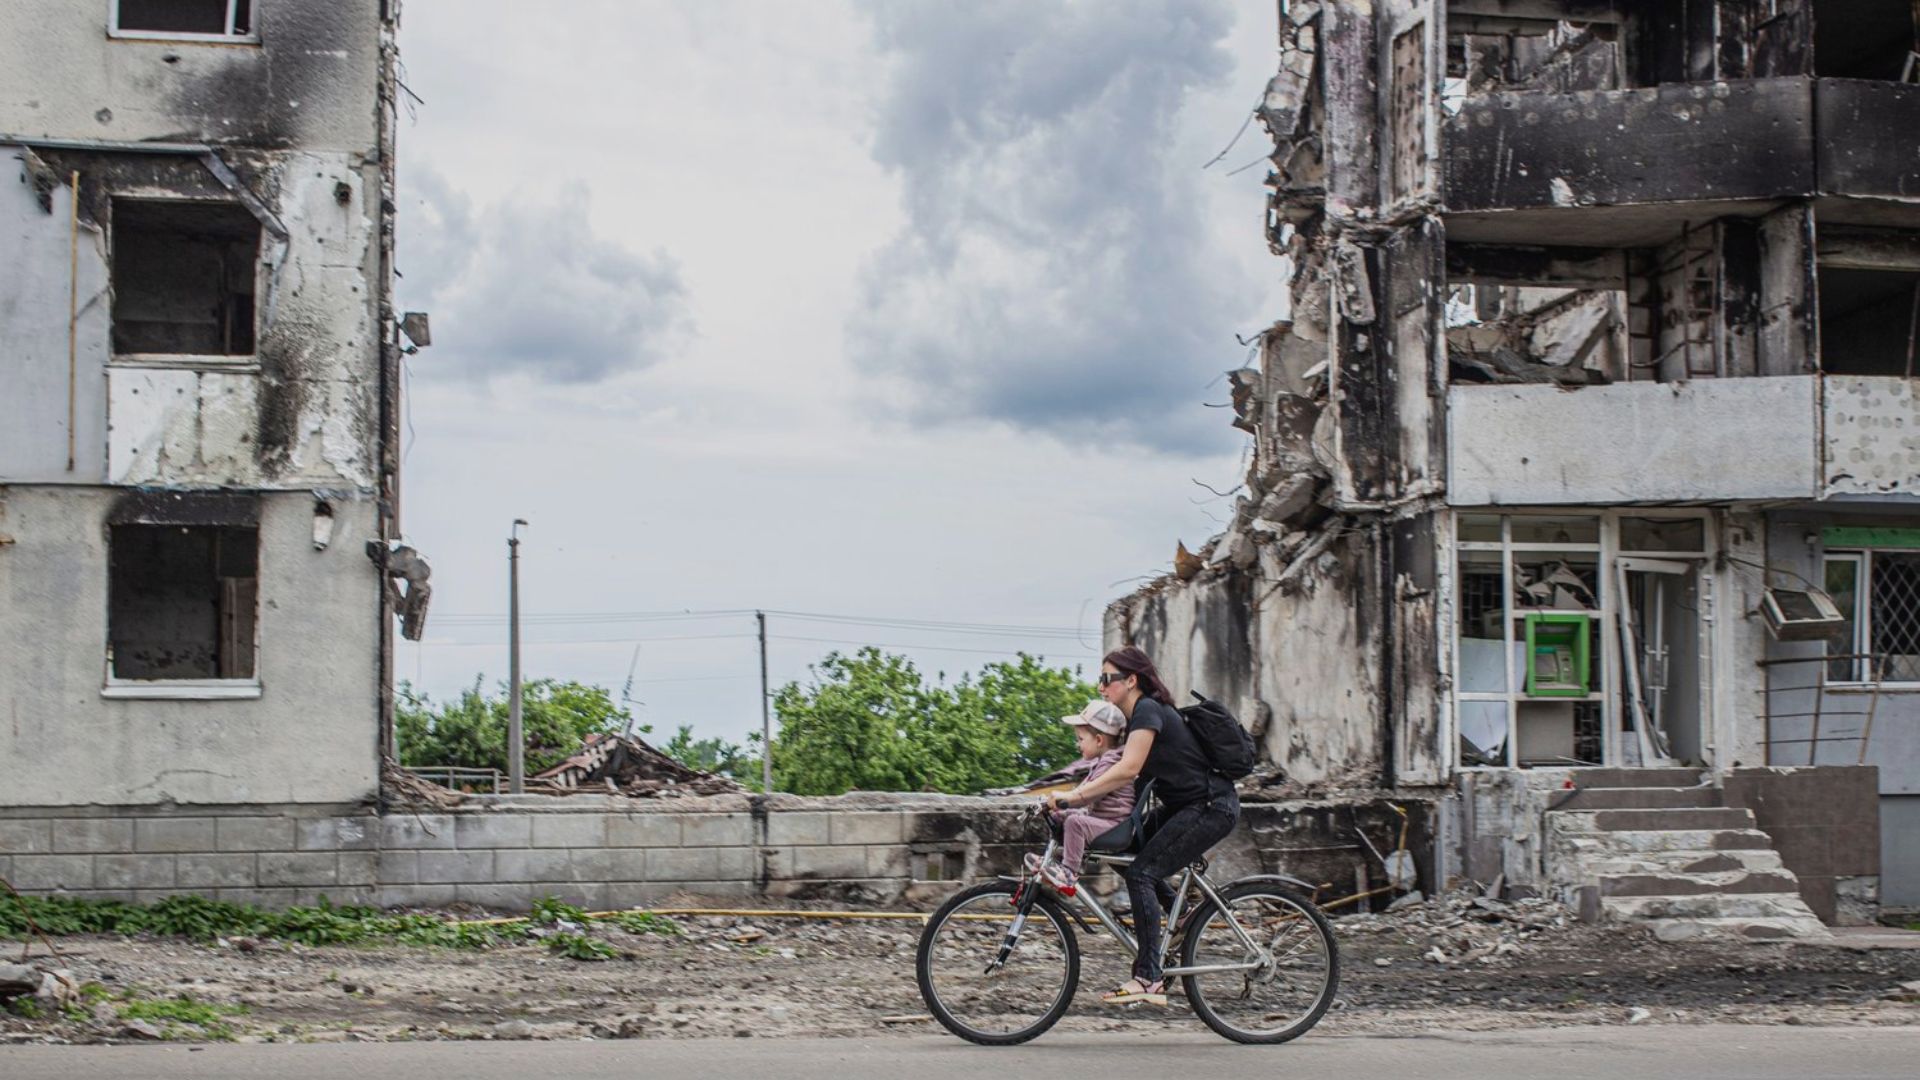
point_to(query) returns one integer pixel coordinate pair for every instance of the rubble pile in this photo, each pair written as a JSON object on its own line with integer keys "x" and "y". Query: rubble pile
{"x": 49, "y": 988}
{"x": 402, "y": 788}
{"x": 616, "y": 765}
{"x": 1463, "y": 928}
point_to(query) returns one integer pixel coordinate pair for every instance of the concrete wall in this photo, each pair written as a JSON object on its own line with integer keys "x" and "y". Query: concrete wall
{"x": 310, "y": 81}
{"x": 1633, "y": 442}
{"x": 1825, "y": 822}
{"x": 1297, "y": 664}
{"x": 606, "y": 852}
{"x": 310, "y": 735}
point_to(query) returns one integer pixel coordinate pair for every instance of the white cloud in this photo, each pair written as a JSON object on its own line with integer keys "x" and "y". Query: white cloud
{"x": 1056, "y": 270}
{"x": 526, "y": 286}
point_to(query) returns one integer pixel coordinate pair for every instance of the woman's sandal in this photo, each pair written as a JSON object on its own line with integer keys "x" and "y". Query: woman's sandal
{"x": 1133, "y": 992}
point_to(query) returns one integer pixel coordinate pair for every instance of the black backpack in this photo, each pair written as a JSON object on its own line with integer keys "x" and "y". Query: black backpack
{"x": 1228, "y": 746}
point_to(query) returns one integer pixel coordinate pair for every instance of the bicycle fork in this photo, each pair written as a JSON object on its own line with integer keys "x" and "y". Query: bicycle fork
{"x": 1023, "y": 901}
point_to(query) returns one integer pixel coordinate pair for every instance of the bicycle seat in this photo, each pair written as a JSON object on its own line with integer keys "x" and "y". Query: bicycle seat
{"x": 1124, "y": 837}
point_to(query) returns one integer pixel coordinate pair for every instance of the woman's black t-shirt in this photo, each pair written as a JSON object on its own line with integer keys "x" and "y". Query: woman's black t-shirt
{"x": 1176, "y": 763}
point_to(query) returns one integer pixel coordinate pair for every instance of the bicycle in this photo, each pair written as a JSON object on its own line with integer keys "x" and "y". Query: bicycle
{"x": 999, "y": 963}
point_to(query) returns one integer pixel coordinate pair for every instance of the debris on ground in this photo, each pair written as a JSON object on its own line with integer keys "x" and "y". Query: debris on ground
{"x": 1462, "y": 928}
{"x": 774, "y": 976}
{"x": 626, "y": 765}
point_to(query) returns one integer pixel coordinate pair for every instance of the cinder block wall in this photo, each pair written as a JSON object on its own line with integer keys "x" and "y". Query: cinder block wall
{"x": 505, "y": 852}
{"x": 603, "y": 852}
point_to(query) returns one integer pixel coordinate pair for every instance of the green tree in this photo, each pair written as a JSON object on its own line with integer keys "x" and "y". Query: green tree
{"x": 471, "y": 730}
{"x": 871, "y": 722}
{"x": 716, "y": 755}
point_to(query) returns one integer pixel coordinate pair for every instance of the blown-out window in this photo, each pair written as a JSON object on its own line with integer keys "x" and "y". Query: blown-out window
{"x": 183, "y": 278}
{"x": 182, "y": 602}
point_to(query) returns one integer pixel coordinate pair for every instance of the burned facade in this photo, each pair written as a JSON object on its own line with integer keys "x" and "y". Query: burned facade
{"x": 1586, "y": 465}
{"x": 198, "y": 447}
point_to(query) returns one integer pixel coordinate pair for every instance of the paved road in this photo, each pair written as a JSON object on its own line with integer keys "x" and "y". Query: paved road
{"x": 1642, "y": 1053}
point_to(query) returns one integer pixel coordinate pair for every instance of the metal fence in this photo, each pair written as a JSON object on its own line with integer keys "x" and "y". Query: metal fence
{"x": 1831, "y": 720}
{"x": 472, "y": 781}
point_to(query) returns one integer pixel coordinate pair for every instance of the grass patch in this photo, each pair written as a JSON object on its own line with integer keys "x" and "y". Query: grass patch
{"x": 200, "y": 919}
{"x": 580, "y": 947}
{"x": 646, "y": 922}
{"x": 210, "y": 1019}
{"x": 184, "y": 1009}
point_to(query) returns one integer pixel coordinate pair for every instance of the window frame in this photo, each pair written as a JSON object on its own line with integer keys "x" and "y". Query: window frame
{"x": 116, "y": 687}
{"x": 1863, "y": 680}
{"x": 1607, "y": 549}
{"x": 237, "y": 363}
{"x": 251, "y": 37}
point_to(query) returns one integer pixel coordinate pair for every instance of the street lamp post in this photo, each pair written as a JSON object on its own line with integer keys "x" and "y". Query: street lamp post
{"x": 516, "y": 737}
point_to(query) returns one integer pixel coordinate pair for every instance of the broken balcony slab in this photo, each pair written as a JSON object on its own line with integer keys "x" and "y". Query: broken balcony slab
{"x": 1633, "y": 442}
{"x": 1745, "y": 139}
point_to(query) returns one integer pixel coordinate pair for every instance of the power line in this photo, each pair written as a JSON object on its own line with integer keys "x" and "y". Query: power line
{"x": 586, "y": 641}
{"x": 887, "y": 622}
{"x": 925, "y": 648}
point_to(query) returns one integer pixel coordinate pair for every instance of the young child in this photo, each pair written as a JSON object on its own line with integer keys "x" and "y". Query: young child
{"x": 1099, "y": 729}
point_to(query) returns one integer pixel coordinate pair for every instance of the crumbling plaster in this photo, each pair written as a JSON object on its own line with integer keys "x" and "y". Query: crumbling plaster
{"x": 1872, "y": 435}
{"x": 311, "y": 734}
{"x": 301, "y": 412}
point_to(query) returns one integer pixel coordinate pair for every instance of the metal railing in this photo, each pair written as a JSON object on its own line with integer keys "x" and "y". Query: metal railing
{"x": 1822, "y": 712}
{"x": 472, "y": 781}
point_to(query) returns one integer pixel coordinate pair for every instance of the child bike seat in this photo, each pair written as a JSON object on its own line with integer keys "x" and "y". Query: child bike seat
{"x": 1123, "y": 838}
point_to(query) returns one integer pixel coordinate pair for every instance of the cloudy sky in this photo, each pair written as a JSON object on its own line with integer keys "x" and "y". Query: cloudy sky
{"x": 908, "y": 312}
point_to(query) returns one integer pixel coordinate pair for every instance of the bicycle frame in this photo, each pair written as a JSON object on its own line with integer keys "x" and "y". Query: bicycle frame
{"x": 1188, "y": 877}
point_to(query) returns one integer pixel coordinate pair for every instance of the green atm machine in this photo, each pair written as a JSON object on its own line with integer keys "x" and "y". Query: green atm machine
{"x": 1559, "y": 654}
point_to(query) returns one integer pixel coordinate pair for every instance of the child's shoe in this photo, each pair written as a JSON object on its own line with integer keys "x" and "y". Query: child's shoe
{"x": 1064, "y": 881}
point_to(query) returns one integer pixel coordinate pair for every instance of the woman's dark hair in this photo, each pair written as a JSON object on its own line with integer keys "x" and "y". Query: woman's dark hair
{"x": 1132, "y": 661}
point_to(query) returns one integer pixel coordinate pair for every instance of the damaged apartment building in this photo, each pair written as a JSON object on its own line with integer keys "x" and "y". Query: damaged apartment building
{"x": 198, "y": 402}
{"x": 1584, "y": 497}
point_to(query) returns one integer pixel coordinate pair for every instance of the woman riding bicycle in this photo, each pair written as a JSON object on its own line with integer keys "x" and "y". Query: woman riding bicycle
{"x": 1199, "y": 807}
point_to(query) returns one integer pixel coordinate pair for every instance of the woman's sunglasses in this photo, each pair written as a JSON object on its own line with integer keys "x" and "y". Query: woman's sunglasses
{"x": 1108, "y": 678}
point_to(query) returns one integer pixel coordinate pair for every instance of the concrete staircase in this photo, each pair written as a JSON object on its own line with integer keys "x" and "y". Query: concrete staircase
{"x": 1658, "y": 846}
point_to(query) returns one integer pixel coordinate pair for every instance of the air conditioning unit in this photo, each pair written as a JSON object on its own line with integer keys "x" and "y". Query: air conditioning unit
{"x": 1800, "y": 614}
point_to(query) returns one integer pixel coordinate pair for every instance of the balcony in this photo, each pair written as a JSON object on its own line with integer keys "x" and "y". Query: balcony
{"x": 1709, "y": 440}
{"x": 1635, "y": 163}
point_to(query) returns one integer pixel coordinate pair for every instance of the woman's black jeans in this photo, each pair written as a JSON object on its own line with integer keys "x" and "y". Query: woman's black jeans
{"x": 1183, "y": 836}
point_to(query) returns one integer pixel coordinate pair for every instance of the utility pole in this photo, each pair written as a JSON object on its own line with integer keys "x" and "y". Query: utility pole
{"x": 766, "y": 722}
{"x": 516, "y": 737}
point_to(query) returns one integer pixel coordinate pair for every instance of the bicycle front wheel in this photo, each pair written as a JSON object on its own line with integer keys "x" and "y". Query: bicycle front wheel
{"x": 993, "y": 976}
{"x": 1283, "y": 963}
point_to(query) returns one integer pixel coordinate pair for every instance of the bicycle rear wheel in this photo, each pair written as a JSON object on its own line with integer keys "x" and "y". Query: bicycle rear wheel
{"x": 984, "y": 991}
{"x": 1296, "y": 962}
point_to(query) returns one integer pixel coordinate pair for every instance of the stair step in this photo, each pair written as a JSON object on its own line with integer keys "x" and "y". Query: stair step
{"x": 1632, "y": 841}
{"x": 1586, "y": 866}
{"x": 1738, "y": 929}
{"x": 1707, "y": 906}
{"x": 1641, "y": 798}
{"x": 1618, "y": 778}
{"x": 1727, "y": 883}
{"x": 1662, "y": 820}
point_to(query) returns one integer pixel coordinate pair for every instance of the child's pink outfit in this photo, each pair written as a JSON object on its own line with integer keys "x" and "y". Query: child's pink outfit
{"x": 1079, "y": 825}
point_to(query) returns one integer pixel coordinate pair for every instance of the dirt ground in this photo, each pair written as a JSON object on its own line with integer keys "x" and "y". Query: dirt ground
{"x": 1446, "y": 965}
